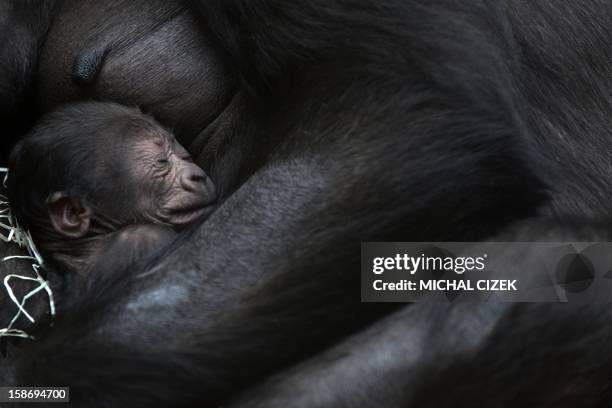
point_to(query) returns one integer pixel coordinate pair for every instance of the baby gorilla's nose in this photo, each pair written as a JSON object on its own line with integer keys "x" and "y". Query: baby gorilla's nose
{"x": 194, "y": 180}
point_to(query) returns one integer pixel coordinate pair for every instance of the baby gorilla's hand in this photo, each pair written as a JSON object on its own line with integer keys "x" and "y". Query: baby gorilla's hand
{"x": 142, "y": 239}
{"x": 131, "y": 246}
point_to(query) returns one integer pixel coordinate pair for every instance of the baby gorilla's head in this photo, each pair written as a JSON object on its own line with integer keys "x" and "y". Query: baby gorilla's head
{"x": 90, "y": 168}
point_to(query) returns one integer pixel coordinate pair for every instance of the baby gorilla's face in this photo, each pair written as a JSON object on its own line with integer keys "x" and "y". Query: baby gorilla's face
{"x": 169, "y": 187}
{"x": 106, "y": 166}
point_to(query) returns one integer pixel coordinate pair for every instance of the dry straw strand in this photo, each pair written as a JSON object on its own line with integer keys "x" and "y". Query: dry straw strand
{"x": 11, "y": 232}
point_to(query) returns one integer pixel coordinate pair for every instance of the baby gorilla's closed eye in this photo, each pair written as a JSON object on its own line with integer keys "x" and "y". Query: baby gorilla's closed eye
{"x": 94, "y": 177}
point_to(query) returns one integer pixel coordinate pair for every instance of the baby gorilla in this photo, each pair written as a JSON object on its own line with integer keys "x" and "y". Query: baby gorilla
{"x": 101, "y": 185}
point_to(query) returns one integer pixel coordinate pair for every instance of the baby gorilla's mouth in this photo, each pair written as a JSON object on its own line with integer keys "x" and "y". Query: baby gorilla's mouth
{"x": 197, "y": 205}
{"x": 189, "y": 212}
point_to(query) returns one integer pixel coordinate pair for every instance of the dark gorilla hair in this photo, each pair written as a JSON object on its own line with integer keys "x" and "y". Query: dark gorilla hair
{"x": 421, "y": 120}
{"x": 54, "y": 155}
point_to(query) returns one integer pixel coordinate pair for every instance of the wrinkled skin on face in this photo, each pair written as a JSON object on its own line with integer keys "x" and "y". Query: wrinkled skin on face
{"x": 172, "y": 189}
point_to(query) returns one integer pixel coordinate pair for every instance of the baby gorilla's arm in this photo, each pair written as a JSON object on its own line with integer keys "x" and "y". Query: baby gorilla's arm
{"x": 131, "y": 244}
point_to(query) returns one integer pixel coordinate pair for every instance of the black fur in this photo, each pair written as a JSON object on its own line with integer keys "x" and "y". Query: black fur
{"x": 23, "y": 25}
{"x": 464, "y": 354}
{"x": 341, "y": 121}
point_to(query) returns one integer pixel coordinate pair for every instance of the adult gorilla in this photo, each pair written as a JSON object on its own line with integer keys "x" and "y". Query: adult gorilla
{"x": 324, "y": 124}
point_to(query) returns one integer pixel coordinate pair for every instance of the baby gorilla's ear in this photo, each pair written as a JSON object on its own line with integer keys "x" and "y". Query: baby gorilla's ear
{"x": 69, "y": 216}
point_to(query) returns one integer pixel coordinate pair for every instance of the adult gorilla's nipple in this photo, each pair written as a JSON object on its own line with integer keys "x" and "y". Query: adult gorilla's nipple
{"x": 87, "y": 65}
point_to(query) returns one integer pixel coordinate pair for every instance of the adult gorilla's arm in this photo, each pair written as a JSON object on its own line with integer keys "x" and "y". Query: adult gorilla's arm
{"x": 466, "y": 354}
{"x": 461, "y": 355}
{"x": 385, "y": 130}
{"x": 384, "y": 365}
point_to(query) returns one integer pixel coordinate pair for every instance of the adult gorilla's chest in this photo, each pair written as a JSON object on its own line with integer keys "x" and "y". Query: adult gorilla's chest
{"x": 153, "y": 54}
